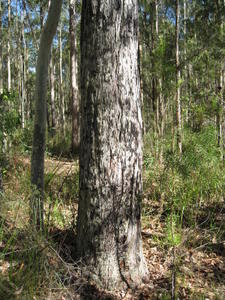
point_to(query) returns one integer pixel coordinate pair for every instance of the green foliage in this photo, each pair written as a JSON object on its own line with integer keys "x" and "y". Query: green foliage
{"x": 31, "y": 262}
{"x": 9, "y": 116}
{"x": 173, "y": 234}
{"x": 60, "y": 145}
{"x": 31, "y": 265}
{"x": 192, "y": 181}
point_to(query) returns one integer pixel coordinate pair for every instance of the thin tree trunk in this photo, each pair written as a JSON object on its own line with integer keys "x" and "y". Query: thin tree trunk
{"x": 222, "y": 116}
{"x": 62, "y": 100}
{"x": 154, "y": 77}
{"x": 52, "y": 94}
{"x": 140, "y": 53}
{"x": 26, "y": 77}
{"x": 160, "y": 100}
{"x": 9, "y": 46}
{"x": 39, "y": 135}
{"x": 109, "y": 225}
{"x": 23, "y": 69}
{"x": 185, "y": 58}
{"x": 178, "y": 77}
{"x": 1, "y": 182}
{"x": 41, "y": 14}
{"x": 73, "y": 79}
{"x": 1, "y": 57}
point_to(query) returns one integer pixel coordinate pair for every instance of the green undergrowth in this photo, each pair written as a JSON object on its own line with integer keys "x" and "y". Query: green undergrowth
{"x": 184, "y": 207}
{"x": 183, "y": 221}
{"x": 32, "y": 265}
{"x": 188, "y": 184}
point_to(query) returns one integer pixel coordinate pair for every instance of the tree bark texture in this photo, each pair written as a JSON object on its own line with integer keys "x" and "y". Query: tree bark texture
{"x": 38, "y": 149}
{"x": 109, "y": 214}
{"x": 73, "y": 79}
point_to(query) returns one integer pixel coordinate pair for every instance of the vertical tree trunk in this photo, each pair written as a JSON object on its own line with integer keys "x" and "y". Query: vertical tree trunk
{"x": 1, "y": 57}
{"x": 38, "y": 149}
{"x": 26, "y": 77}
{"x": 154, "y": 78}
{"x": 160, "y": 100}
{"x": 23, "y": 72}
{"x": 140, "y": 53}
{"x": 62, "y": 100}
{"x": 9, "y": 46}
{"x": 52, "y": 94}
{"x": 178, "y": 77}
{"x": 73, "y": 79}
{"x": 41, "y": 14}
{"x": 185, "y": 58}
{"x": 109, "y": 225}
{"x": 1, "y": 183}
{"x": 222, "y": 115}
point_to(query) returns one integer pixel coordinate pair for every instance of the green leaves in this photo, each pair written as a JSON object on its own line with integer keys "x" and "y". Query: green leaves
{"x": 9, "y": 114}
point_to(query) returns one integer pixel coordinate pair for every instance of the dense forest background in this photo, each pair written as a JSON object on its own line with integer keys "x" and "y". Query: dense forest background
{"x": 182, "y": 72}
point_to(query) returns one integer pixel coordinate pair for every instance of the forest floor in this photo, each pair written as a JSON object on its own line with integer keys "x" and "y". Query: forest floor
{"x": 196, "y": 264}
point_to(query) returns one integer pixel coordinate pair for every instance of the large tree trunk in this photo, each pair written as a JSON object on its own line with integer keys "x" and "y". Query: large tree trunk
{"x": 38, "y": 149}
{"x": 73, "y": 79}
{"x": 109, "y": 215}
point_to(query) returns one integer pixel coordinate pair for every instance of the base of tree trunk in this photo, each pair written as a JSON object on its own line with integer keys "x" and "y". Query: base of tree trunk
{"x": 114, "y": 269}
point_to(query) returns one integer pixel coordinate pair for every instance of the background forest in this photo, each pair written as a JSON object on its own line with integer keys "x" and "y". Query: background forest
{"x": 182, "y": 69}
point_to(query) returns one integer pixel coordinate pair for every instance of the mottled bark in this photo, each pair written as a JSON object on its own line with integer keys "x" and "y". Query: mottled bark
{"x": 73, "y": 79}
{"x": 178, "y": 77}
{"x": 109, "y": 215}
{"x": 38, "y": 149}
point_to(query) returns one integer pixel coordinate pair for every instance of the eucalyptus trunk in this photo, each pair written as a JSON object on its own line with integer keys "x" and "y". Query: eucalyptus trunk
{"x": 39, "y": 135}
{"x": 178, "y": 78}
{"x": 52, "y": 94}
{"x": 109, "y": 214}
{"x": 185, "y": 57}
{"x": 222, "y": 116}
{"x": 9, "y": 46}
{"x": 1, "y": 183}
{"x": 73, "y": 78}
{"x": 1, "y": 57}
{"x": 62, "y": 100}
{"x": 23, "y": 71}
